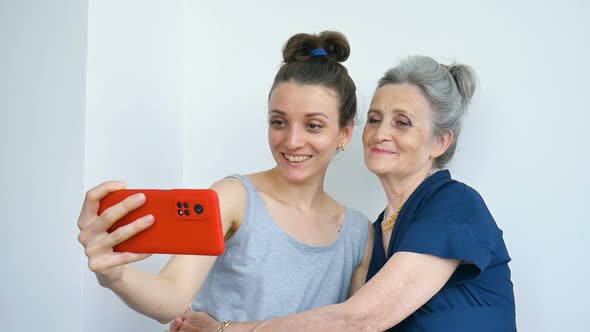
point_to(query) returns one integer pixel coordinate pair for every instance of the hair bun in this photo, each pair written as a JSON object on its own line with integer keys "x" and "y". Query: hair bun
{"x": 299, "y": 46}
{"x": 466, "y": 81}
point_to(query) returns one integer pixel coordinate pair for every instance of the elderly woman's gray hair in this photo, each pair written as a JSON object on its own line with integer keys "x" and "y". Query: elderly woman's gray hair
{"x": 448, "y": 88}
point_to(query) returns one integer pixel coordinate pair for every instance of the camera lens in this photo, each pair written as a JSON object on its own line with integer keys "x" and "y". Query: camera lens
{"x": 185, "y": 205}
{"x": 187, "y": 212}
{"x": 198, "y": 208}
{"x": 179, "y": 205}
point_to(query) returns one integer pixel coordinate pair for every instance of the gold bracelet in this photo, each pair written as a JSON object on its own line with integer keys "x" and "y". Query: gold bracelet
{"x": 224, "y": 325}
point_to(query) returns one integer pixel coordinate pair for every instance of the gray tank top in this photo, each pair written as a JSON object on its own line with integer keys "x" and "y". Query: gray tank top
{"x": 265, "y": 273}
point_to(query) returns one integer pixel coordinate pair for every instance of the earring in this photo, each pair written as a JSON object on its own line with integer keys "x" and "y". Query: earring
{"x": 341, "y": 148}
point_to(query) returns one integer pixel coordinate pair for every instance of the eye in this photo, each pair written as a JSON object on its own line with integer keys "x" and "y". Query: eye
{"x": 314, "y": 126}
{"x": 277, "y": 123}
{"x": 403, "y": 122}
{"x": 373, "y": 120}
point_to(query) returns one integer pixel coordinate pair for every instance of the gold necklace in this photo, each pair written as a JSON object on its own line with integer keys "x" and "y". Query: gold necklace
{"x": 389, "y": 223}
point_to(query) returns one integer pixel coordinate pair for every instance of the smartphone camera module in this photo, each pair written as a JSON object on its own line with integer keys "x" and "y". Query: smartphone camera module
{"x": 183, "y": 209}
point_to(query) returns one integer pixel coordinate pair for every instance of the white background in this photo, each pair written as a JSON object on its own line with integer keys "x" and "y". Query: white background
{"x": 173, "y": 94}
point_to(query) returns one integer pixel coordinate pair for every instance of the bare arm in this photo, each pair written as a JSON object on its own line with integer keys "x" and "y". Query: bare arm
{"x": 163, "y": 296}
{"x": 360, "y": 274}
{"x": 197, "y": 322}
{"x": 403, "y": 285}
{"x": 166, "y": 295}
{"x": 200, "y": 321}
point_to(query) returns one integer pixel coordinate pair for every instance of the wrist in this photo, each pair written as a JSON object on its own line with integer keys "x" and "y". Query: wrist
{"x": 224, "y": 325}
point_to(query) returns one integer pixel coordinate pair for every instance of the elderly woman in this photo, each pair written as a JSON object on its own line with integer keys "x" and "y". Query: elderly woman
{"x": 439, "y": 262}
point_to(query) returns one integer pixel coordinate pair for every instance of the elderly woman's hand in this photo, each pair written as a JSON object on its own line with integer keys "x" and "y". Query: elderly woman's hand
{"x": 191, "y": 321}
{"x": 175, "y": 325}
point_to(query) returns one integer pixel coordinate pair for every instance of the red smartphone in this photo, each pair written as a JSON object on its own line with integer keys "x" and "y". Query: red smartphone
{"x": 187, "y": 222}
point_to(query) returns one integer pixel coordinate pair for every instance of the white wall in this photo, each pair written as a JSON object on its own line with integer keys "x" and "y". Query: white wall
{"x": 522, "y": 147}
{"x": 134, "y": 122}
{"x": 42, "y": 82}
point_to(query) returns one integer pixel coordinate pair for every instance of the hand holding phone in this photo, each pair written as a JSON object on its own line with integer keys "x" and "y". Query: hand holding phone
{"x": 187, "y": 221}
{"x": 98, "y": 243}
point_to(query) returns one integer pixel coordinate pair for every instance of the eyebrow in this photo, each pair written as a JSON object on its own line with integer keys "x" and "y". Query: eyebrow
{"x": 395, "y": 110}
{"x": 307, "y": 115}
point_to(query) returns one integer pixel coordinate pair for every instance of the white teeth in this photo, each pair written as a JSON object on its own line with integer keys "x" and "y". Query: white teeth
{"x": 296, "y": 159}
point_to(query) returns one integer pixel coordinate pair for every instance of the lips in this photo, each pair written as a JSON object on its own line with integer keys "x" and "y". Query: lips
{"x": 381, "y": 151}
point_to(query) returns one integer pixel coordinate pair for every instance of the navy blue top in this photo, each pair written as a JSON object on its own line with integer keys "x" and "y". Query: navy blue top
{"x": 449, "y": 219}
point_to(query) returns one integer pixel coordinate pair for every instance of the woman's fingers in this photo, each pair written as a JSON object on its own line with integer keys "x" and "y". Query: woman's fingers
{"x": 198, "y": 321}
{"x": 98, "y": 243}
{"x": 91, "y": 203}
{"x": 116, "y": 212}
{"x": 104, "y": 242}
{"x": 176, "y": 324}
{"x": 125, "y": 232}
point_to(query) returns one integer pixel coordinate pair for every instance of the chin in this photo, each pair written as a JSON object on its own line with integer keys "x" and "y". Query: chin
{"x": 377, "y": 168}
{"x": 378, "y": 171}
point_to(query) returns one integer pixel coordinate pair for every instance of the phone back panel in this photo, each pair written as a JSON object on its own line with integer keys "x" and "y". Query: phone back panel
{"x": 187, "y": 221}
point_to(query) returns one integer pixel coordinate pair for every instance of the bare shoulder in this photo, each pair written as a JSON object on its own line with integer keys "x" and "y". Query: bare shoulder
{"x": 262, "y": 181}
{"x": 232, "y": 201}
{"x": 229, "y": 186}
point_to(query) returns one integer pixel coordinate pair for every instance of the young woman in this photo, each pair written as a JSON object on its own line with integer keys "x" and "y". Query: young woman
{"x": 290, "y": 246}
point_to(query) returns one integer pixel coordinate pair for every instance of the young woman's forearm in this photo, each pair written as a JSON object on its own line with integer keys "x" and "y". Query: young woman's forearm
{"x": 149, "y": 294}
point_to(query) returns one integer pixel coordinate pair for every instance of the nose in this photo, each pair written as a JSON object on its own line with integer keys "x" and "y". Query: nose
{"x": 295, "y": 138}
{"x": 383, "y": 132}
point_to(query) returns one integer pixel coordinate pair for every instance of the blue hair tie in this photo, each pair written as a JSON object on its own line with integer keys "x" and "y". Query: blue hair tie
{"x": 318, "y": 52}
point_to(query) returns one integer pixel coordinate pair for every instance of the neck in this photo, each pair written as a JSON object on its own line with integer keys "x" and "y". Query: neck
{"x": 398, "y": 189}
{"x": 304, "y": 195}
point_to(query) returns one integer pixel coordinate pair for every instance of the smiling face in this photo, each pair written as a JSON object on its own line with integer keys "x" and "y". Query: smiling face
{"x": 303, "y": 130}
{"x": 397, "y": 138}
